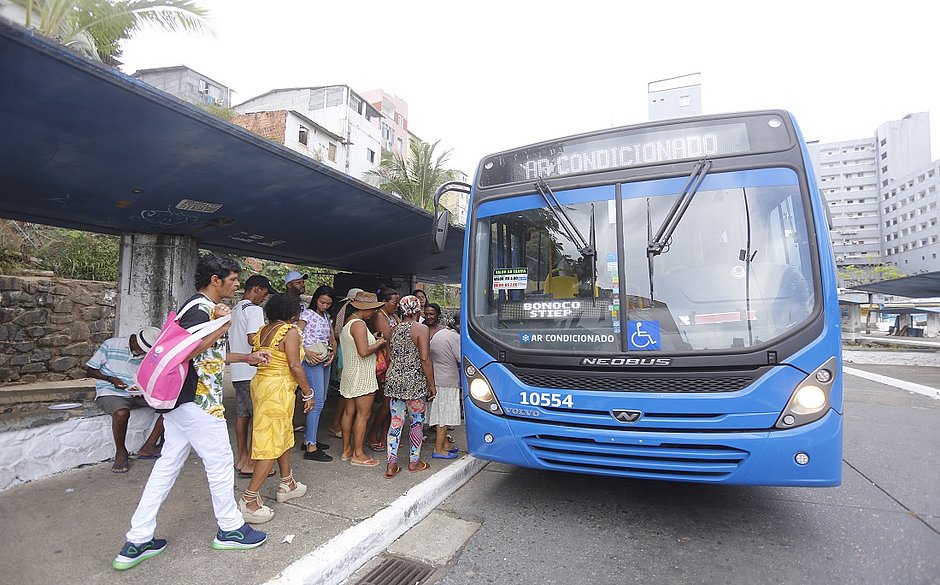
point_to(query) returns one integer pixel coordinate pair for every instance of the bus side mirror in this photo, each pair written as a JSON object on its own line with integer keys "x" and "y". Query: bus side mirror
{"x": 439, "y": 231}
{"x": 442, "y": 217}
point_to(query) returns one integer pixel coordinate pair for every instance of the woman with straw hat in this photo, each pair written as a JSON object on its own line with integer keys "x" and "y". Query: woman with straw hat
{"x": 357, "y": 381}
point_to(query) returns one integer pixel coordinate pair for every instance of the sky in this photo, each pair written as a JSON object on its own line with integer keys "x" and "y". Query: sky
{"x": 486, "y": 75}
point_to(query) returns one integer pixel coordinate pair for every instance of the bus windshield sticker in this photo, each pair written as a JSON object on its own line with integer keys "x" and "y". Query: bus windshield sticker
{"x": 643, "y": 335}
{"x": 510, "y": 278}
{"x": 527, "y": 338}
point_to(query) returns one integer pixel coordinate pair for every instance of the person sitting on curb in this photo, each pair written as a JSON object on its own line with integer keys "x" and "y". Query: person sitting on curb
{"x": 113, "y": 367}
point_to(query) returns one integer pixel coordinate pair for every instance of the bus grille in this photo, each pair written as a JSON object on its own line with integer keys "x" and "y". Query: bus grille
{"x": 673, "y": 461}
{"x": 621, "y": 383}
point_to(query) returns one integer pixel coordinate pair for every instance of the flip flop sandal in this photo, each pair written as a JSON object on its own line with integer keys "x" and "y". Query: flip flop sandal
{"x": 366, "y": 463}
{"x": 393, "y": 473}
{"x": 120, "y": 468}
{"x": 152, "y": 457}
{"x": 377, "y": 447}
{"x": 248, "y": 474}
{"x": 337, "y": 434}
{"x": 424, "y": 465}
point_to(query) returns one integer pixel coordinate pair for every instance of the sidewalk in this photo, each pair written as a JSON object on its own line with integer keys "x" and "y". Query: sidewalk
{"x": 68, "y": 527}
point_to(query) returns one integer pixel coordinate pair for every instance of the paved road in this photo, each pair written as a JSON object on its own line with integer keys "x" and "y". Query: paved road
{"x": 881, "y": 526}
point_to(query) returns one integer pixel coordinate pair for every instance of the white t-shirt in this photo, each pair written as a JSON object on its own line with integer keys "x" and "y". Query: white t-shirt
{"x": 247, "y": 318}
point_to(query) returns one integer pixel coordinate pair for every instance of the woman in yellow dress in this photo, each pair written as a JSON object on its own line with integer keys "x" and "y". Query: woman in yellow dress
{"x": 272, "y": 396}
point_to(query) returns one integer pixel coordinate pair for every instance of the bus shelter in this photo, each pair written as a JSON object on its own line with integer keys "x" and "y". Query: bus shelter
{"x": 84, "y": 146}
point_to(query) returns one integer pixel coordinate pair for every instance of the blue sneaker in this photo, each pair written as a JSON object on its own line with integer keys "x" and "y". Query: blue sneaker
{"x": 134, "y": 554}
{"x": 243, "y": 538}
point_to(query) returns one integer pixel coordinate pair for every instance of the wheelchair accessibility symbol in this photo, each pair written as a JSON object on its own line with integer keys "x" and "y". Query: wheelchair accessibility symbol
{"x": 642, "y": 335}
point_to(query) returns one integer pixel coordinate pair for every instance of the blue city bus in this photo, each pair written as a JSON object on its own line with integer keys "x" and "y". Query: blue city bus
{"x": 655, "y": 301}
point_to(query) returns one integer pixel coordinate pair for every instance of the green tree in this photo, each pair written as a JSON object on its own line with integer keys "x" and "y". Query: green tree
{"x": 95, "y": 28}
{"x": 852, "y": 275}
{"x": 415, "y": 177}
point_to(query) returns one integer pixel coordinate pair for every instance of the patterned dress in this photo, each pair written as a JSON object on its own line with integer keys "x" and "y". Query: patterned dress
{"x": 272, "y": 395}
{"x": 405, "y": 379}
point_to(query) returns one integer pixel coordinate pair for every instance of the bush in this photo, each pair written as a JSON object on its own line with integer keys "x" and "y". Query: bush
{"x": 81, "y": 255}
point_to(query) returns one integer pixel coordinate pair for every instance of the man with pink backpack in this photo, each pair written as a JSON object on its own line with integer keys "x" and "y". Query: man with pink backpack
{"x": 197, "y": 421}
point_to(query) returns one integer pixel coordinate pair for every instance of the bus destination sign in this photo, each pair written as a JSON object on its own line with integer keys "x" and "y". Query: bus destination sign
{"x": 632, "y": 148}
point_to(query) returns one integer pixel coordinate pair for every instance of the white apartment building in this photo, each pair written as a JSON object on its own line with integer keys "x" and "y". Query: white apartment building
{"x": 338, "y": 109}
{"x": 911, "y": 221}
{"x": 869, "y": 184}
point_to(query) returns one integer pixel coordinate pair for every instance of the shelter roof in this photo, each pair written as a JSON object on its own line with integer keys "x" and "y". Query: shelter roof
{"x": 915, "y": 287}
{"x": 84, "y": 146}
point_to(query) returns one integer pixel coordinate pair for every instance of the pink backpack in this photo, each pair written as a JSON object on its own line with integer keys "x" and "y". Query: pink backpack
{"x": 164, "y": 368}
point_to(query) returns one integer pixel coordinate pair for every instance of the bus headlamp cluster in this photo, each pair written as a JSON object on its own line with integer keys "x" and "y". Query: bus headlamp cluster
{"x": 810, "y": 399}
{"x": 481, "y": 392}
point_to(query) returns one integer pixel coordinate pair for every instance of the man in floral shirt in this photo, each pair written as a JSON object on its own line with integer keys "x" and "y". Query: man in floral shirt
{"x": 198, "y": 422}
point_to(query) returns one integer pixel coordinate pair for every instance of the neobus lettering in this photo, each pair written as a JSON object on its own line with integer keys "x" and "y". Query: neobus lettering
{"x": 551, "y": 309}
{"x": 625, "y": 156}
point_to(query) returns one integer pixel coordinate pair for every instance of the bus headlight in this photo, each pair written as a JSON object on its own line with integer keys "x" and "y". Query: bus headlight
{"x": 480, "y": 391}
{"x": 810, "y": 399}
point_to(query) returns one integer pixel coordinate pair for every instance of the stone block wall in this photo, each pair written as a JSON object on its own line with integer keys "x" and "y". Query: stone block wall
{"x": 50, "y": 327}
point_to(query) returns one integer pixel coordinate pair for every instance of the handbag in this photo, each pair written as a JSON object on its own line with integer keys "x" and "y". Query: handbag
{"x": 381, "y": 365}
{"x": 163, "y": 370}
{"x": 319, "y": 349}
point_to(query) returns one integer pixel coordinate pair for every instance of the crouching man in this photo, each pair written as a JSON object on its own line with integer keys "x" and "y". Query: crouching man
{"x": 113, "y": 367}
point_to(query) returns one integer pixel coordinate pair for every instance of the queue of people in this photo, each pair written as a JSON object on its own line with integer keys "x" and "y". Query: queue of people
{"x": 390, "y": 354}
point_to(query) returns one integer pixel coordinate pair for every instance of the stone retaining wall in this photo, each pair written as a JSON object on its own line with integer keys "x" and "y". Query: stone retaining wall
{"x": 50, "y": 327}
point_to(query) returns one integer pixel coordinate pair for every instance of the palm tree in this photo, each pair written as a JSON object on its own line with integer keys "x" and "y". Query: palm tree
{"x": 95, "y": 28}
{"x": 416, "y": 177}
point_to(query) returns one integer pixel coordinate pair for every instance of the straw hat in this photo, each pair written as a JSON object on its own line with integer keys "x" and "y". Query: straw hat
{"x": 146, "y": 337}
{"x": 351, "y": 294}
{"x": 366, "y": 300}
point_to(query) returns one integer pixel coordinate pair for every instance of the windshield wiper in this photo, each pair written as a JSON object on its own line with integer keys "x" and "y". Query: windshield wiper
{"x": 584, "y": 247}
{"x": 660, "y": 242}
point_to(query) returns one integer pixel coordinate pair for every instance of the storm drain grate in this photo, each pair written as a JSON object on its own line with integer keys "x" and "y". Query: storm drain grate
{"x": 397, "y": 571}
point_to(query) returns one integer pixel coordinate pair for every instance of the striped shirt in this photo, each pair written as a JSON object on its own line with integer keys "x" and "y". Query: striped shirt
{"x": 114, "y": 358}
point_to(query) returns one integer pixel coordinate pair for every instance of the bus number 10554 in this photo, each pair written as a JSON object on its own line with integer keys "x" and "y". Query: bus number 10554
{"x": 546, "y": 399}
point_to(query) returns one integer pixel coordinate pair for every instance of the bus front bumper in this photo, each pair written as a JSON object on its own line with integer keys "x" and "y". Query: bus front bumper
{"x": 809, "y": 456}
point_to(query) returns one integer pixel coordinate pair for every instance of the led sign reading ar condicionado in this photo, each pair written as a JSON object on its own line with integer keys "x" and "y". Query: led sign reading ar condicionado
{"x": 637, "y": 149}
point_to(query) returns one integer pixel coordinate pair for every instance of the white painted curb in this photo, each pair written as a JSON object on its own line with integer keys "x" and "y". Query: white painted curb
{"x": 339, "y": 558}
{"x": 902, "y": 384}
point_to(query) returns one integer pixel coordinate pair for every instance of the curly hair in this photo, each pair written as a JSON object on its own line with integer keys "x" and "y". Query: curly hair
{"x": 211, "y": 265}
{"x": 282, "y": 307}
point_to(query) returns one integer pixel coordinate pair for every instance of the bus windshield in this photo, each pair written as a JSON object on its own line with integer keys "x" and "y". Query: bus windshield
{"x": 737, "y": 271}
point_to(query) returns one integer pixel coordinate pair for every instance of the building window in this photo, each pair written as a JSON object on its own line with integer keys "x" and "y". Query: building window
{"x": 370, "y": 155}
{"x": 302, "y": 135}
{"x": 332, "y": 152}
{"x": 685, "y": 101}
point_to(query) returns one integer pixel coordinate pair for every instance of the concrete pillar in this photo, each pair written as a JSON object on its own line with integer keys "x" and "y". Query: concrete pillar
{"x": 933, "y": 325}
{"x": 156, "y": 275}
{"x": 851, "y": 321}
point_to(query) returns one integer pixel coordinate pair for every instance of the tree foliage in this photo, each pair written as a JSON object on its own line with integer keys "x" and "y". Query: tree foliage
{"x": 95, "y": 28}
{"x": 417, "y": 176}
{"x": 852, "y": 275}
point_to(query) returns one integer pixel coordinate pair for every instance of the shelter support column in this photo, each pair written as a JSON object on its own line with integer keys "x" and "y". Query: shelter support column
{"x": 851, "y": 321}
{"x": 933, "y": 325}
{"x": 156, "y": 274}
